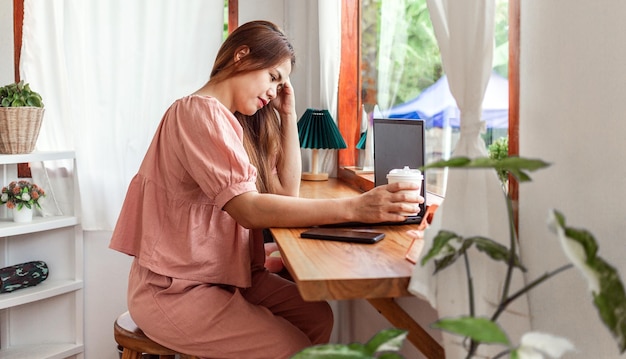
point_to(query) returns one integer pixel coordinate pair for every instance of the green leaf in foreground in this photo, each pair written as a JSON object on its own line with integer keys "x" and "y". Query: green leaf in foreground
{"x": 517, "y": 166}
{"x": 603, "y": 279}
{"x": 495, "y": 251}
{"x": 331, "y": 351}
{"x": 383, "y": 346}
{"x": 447, "y": 248}
{"x": 386, "y": 340}
{"x": 478, "y": 329}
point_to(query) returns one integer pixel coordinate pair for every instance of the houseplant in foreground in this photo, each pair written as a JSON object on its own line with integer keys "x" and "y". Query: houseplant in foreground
{"x": 580, "y": 247}
{"x": 384, "y": 345}
{"x": 578, "y": 244}
{"x": 21, "y": 196}
{"x": 21, "y": 112}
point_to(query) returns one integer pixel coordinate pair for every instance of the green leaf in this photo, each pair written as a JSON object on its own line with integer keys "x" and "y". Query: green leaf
{"x": 496, "y": 251}
{"x": 522, "y": 163}
{"x": 446, "y": 249}
{"x": 499, "y": 149}
{"x": 386, "y": 340}
{"x": 452, "y": 162}
{"x": 479, "y": 329}
{"x": 611, "y": 302}
{"x": 390, "y": 356}
{"x": 18, "y": 103}
{"x": 34, "y": 101}
{"x": 443, "y": 263}
{"x": 440, "y": 244}
{"x": 517, "y": 166}
{"x": 607, "y": 288}
{"x": 331, "y": 351}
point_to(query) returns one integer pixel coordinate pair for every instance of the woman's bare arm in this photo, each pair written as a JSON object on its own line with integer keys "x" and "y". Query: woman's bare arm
{"x": 289, "y": 167}
{"x": 383, "y": 203}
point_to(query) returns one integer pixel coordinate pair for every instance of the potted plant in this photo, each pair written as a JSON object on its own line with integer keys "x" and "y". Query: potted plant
{"x": 499, "y": 150}
{"x": 580, "y": 247}
{"x": 22, "y": 196}
{"x": 21, "y": 112}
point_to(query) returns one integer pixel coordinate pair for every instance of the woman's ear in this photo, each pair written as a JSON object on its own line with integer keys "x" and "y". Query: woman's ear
{"x": 241, "y": 52}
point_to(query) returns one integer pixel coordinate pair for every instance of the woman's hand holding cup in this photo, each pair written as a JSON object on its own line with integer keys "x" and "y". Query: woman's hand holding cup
{"x": 408, "y": 175}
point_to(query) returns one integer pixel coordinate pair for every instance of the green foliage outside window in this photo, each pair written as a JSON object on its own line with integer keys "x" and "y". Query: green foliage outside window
{"x": 418, "y": 61}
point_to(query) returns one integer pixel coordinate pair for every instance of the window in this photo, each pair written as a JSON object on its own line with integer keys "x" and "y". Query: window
{"x": 398, "y": 61}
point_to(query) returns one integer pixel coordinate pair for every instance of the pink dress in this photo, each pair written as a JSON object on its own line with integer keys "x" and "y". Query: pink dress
{"x": 197, "y": 283}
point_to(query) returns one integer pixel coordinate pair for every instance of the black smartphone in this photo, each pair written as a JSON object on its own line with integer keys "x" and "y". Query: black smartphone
{"x": 344, "y": 235}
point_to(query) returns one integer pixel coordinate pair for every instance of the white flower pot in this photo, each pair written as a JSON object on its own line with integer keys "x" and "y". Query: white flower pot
{"x": 23, "y": 215}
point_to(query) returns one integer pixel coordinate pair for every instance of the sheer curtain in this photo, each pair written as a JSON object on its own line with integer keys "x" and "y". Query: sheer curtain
{"x": 474, "y": 203}
{"x": 107, "y": 70}
{"x": 329, "y": 23}
{"x": 393, "y": 31}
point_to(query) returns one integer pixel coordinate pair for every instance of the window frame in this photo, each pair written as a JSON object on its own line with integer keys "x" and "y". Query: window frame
{"x": 350, "y": 84}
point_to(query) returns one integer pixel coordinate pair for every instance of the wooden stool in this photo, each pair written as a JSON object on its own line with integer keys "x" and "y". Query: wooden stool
{"x": 135, "y": 343}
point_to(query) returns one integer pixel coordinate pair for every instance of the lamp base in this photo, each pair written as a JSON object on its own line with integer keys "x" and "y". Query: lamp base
{"x": 308, "y": 176}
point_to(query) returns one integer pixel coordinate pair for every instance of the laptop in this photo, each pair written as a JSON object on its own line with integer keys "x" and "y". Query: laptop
{"x": 397, "y": 143}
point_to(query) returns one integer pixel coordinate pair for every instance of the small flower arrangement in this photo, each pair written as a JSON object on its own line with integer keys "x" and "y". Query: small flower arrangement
{"x": 19, "y": 194}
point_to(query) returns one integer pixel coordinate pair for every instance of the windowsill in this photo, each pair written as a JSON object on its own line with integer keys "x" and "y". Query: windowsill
{"x": 358, "y": 179}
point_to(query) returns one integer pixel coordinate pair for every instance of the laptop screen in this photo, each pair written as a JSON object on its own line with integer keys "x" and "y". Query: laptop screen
{"x": 398, "y": 143}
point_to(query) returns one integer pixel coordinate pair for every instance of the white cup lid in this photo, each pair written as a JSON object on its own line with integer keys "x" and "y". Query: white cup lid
{"x": 405, "y": 172}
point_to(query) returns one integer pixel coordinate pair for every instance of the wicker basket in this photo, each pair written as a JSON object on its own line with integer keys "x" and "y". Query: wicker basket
{"x": 19, "y": 129}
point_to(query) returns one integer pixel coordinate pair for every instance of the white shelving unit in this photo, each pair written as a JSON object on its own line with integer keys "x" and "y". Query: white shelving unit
{"x": 44, "y": 321}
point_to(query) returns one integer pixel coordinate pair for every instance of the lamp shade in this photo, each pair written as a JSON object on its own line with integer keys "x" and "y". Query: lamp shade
{"x": 362, "y": 141}
{"x": 317, "y": 130}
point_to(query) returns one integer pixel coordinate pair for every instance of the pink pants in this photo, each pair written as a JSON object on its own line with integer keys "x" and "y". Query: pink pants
{"x": 268, "y": 320}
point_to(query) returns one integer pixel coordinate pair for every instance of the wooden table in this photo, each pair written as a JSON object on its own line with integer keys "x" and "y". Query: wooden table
{"x": 327, "y": 270}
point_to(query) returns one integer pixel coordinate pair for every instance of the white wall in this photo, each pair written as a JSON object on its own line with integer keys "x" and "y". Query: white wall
{"x": 573, "y": 114}
{"x": 106, "y": 280}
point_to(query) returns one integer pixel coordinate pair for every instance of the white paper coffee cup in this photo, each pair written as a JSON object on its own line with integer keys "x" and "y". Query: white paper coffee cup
{"x": 406, "y": 174}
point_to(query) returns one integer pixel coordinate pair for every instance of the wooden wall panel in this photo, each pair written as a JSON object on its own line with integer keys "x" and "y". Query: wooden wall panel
{"x": 18, "y": 20}
{"x": 349, "y": 99}
{"x": 514, "y": 89}
{"x": 23, "y": 169}
{"x": 233, "y": 15}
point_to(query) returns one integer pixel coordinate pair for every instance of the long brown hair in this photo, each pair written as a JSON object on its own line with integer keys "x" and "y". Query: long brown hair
{"x": 268, "y": 46}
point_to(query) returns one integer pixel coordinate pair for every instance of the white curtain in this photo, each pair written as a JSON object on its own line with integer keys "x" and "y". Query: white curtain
{"x": 107, "y": 70}
{"x": 474, "y": 202}
{"x": 329, "y": 23}
{"x": 393, "y": 31}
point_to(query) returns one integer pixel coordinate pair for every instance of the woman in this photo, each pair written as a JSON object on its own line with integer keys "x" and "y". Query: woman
{"x": 222, "y": 166}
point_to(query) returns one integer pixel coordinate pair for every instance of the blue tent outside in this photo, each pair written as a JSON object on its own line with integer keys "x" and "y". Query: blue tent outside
{"x": 437, "y": 106}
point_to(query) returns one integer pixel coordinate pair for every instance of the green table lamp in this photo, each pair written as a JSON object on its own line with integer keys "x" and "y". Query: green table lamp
{"x": 317, "y": 130}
